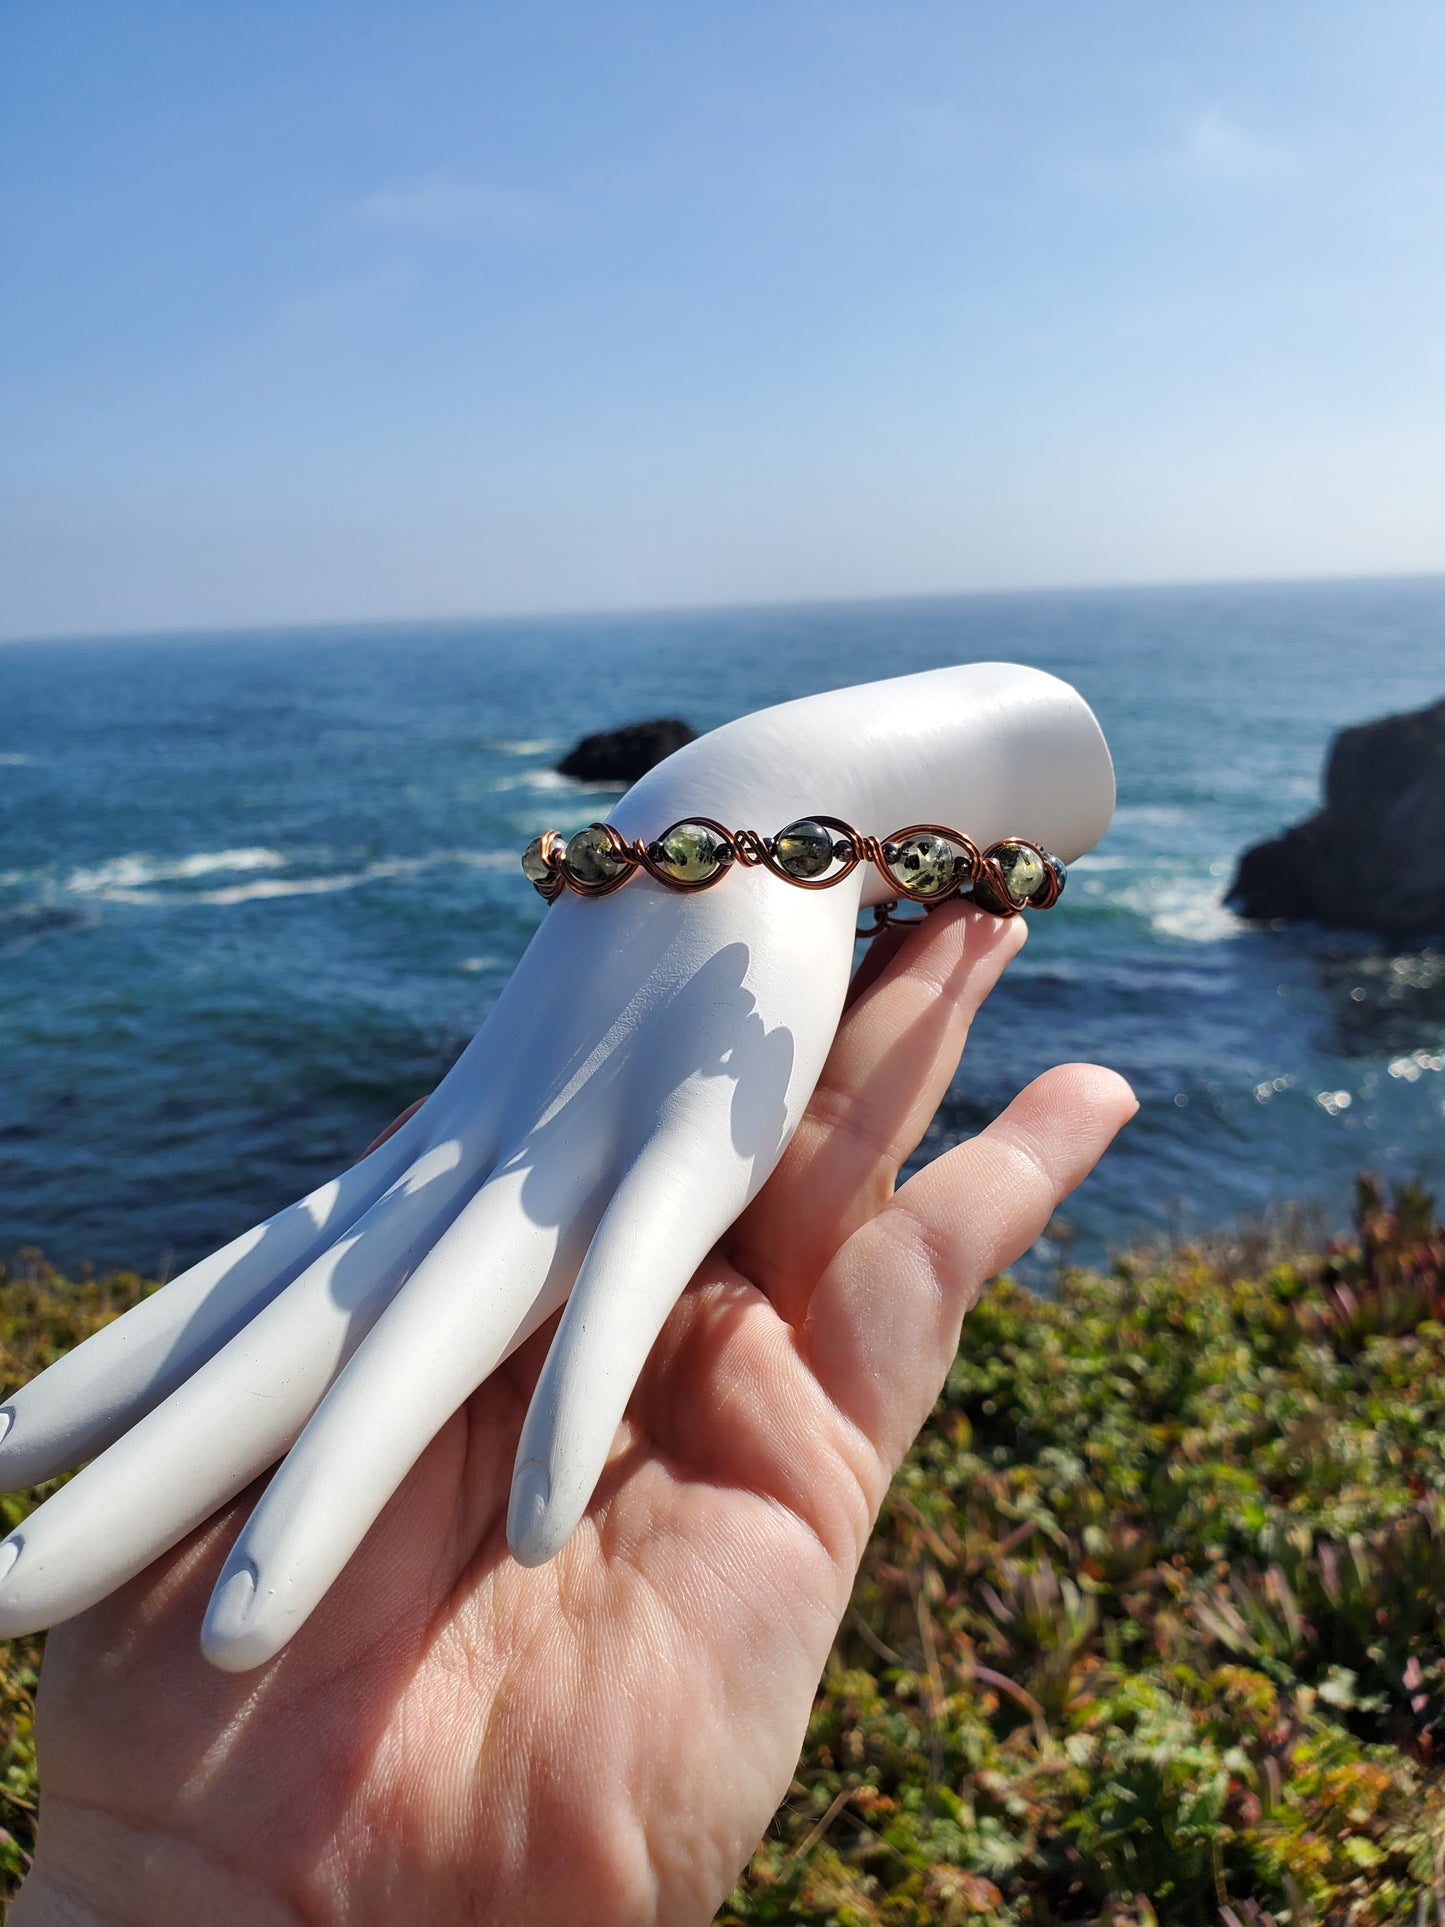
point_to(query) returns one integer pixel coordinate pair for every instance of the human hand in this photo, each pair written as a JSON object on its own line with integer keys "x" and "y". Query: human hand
{"x": 454, "y": 1736}
{"x": 627, "y": 1097}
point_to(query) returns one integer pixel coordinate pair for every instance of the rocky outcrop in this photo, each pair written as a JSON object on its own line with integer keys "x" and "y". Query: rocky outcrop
{"x": 622, "y": 755}
{"x": 1374, "y": 856}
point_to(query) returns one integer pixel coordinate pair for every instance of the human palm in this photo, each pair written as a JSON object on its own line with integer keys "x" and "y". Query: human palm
{"x": 454, "y": 1737}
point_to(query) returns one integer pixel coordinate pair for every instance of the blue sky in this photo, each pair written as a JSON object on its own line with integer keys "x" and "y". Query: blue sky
{"x": 328, "y": 311}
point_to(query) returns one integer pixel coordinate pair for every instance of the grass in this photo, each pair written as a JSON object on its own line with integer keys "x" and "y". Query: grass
{"x": 1152, "y": 1628}
{"x": 42, "y": 1315}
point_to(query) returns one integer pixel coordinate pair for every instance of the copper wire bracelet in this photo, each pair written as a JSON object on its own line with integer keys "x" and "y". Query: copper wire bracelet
{"x": 925, "y": 863}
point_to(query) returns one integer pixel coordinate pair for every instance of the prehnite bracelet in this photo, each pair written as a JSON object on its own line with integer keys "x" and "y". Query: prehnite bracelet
{"x": 925, "y": 863}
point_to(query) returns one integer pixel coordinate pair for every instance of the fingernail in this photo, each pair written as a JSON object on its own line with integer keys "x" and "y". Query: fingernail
{"x": 230, "y": 1607}
{"x": 9, "y": 1553}
{"x": 526, "y": 1515}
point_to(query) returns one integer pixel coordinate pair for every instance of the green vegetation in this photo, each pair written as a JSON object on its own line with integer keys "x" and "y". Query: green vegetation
{"x": 42, "y": 1316}
{"x": 1153, "y": 1625}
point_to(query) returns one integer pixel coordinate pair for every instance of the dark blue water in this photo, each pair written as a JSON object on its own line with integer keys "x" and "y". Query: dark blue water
{"x": 256, "y": 891}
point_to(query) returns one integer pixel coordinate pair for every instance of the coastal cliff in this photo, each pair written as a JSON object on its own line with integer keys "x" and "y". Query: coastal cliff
{"x": 1373, "y": 858}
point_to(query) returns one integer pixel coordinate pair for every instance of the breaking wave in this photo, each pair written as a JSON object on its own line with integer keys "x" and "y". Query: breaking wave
{"x": 133, "y": 879}
{"x": 550, "y": 779}
{"x": 1189, "y": 908}
{"x": 137, "y": 872}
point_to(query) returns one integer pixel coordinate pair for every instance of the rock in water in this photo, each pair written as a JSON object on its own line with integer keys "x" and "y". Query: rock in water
{"x": 1374, "y": 856}
{"x": 622, "y": 755}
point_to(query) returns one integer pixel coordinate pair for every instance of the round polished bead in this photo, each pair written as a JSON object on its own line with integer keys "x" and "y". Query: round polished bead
{"x": 591, "y": 857}
{"x": 689, "y": 852}
{"x": 1023, "y": 870}
{"x": 804, "y": 849}
{"x": 925, "y": 863}
{"x": 534, "y": 865}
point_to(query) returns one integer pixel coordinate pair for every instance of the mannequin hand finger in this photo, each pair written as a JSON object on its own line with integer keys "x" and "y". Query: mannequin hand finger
{"x": 893, "y": 1058}
{"x": 87, "y": 1399}
{"x": 883, "y": 1324}
{"x": 231, "y": 1419}
{"x": 491, "y": 1280}
{"x": 663, "y": 1221}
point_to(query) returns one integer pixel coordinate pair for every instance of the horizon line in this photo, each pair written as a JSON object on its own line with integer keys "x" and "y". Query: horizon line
{"x": 323, "y": 625}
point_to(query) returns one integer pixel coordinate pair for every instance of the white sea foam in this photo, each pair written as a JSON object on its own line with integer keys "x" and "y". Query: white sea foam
{"x": 1148, "y": 813}
{"x": 475, "y": 859}
{"x": 379, "y": 872}
{"x": 12, "y": 759}
{"x": 135, "y": 872}
{"x": 279, "y": 887}
{"x": 549, "y": 779}
{"x": 235, "y": 892}
{"x": 131, "y": 879}
{"x": 1186, "y": 907}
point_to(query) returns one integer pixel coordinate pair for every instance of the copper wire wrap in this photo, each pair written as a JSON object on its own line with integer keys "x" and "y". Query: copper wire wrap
{"x": 979, "y": 874}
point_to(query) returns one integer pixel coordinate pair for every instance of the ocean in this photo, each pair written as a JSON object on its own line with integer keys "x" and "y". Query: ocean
{"x": 257, "y": 890}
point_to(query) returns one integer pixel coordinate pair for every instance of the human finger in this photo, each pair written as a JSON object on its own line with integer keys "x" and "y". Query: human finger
{"x": 877, "y": 958}
{"x": 891, "y": 1062}
{"x": 883, "y": 1326}
{"x": 401, "y": 1118}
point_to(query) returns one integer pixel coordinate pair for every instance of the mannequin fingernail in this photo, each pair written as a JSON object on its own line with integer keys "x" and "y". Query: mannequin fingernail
{"x": 531, "y": 1490}
{"x": 9, "y": 1553}
{"x": 231, "y": 1605}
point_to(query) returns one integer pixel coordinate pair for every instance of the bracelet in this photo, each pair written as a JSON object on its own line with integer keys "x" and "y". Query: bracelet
{"x": 926, "y": 863}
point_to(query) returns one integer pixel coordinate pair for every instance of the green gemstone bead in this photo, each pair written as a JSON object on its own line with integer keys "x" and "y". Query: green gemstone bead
{"x": 1023, "y": 871}
{"x": 925, "y": 863}
{"x": 804, "y": 849}
{"x": 689, "y": 852}
{"x": 591, "y": 857}
{"x": 534, "y": 869}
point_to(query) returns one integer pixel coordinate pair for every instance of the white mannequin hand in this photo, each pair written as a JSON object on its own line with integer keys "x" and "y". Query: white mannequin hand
{"x": 631, "y": 1091}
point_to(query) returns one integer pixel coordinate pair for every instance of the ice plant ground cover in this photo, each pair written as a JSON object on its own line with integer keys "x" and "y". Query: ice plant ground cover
{"x": 1152, "y": 1626}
